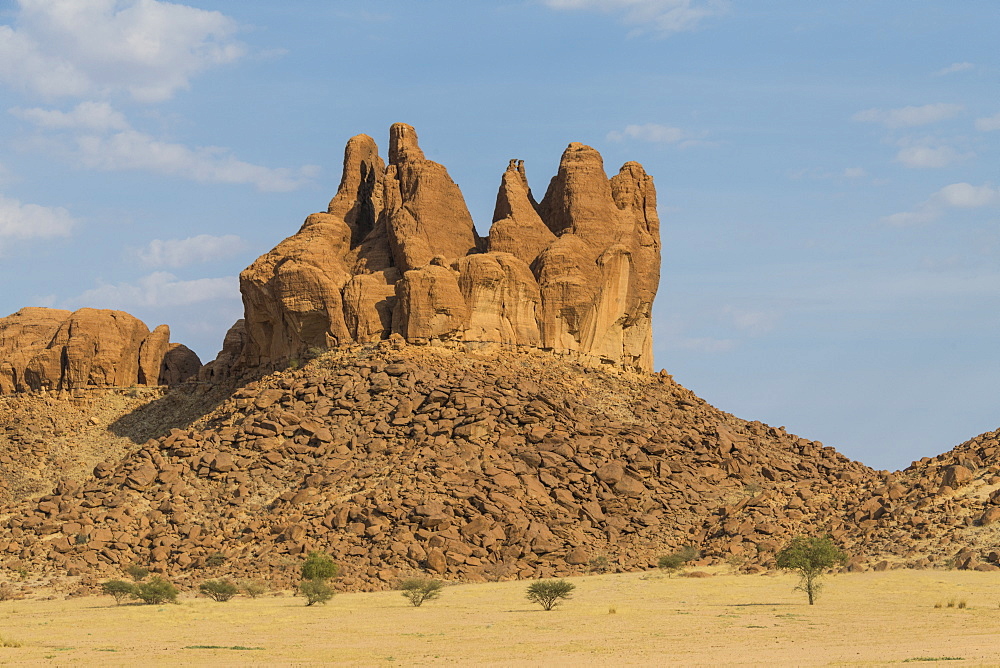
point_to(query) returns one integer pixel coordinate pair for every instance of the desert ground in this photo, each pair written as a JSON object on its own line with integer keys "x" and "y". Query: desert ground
{"x": 860, "y": 619}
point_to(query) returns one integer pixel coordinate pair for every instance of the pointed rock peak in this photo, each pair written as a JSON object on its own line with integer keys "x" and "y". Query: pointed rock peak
{"x": 403, "y": 145}
{"x": 362, "y": 169}
{"x": 633, "y": 168}
{"x": 580, "y": 155}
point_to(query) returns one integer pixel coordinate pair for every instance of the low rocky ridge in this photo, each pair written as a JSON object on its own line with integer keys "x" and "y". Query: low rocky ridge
{"x": 940, "y": 511}
{"x": 396, "y": 252}
{"x": 398, "y": 459}
{"x": 62, "y": 351}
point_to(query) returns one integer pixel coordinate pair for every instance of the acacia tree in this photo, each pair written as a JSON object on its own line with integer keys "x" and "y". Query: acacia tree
{"x": 548, "y": 593}
{"x": 811, "y": 557}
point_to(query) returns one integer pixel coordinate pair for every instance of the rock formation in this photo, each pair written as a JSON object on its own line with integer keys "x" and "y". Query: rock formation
{"x": 52, "y": 349}
{"x": 397, "y": 252}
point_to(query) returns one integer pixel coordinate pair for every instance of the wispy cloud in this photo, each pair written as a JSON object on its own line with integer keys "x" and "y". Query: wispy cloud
{"x": 663, "y": 17}
{"x": 953, "y": 68}
{"x": 927, "y": 154}
{"x": 99, "y": 116}
{"x": 159, "y": 289}
{"x": 183, "y": 252}
{"x": 655, "y": 133}
{"x": 101, "y": 138}
{"x": 953, "y": 196}
{"x": 80, "y": 48}
{"x": 988, "y": 124}
{"x": 908, "y": 117}
{"x": 32, "y": 221}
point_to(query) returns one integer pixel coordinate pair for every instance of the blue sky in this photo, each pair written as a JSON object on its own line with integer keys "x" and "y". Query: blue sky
{"x": 827, "y": 172}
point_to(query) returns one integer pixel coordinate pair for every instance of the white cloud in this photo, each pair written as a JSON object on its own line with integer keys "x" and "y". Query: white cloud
{"x": 988, "y": 124}
{"x": 109, "y": 143}
{"x": 929, "y": 156}
{"x": 148, "y": 48}
{"x": 99, "y": 116}
{"x": 31, "y": 221}
{"x": 159, "y": 289}
{"x": 907, "y": 117}
{"x": 182, "y": 252}
{"x": 968, "y": 196}
{"x": 953, "y": 196}
{"x": 855, "y": 172}
{"x": 661, "y": 16}
{"x": 133, "y": 150}
{"x": 954, "y": 67}
{"x": 655, "y": 133}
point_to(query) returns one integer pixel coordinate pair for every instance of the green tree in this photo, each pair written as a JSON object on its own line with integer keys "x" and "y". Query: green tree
{"x": 253, "y": 588}
{"x": 811, "y": 557}
{"x": 418, "y": 590}
{"x": 136, "y": 572}
{"x": 548, "y": 593}
{"x": 156, "y": 590}
{"x": 672, "y": 563}
{"x": 120, "y": 589}
{"x": 316, "y": 591}
{"x": 218, "y": 590}
{"x": 319, "y": 566}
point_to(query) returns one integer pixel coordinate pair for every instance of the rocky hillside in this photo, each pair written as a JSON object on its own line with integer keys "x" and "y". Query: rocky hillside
{"x": 399, "y": 458}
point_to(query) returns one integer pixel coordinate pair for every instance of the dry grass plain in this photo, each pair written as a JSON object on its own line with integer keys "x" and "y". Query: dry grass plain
{"x": 860, "y": 619}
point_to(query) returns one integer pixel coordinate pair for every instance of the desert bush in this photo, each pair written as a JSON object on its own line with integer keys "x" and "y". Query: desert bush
{"x": 418, "y": 590}
{"x": 136, "y": 572}
{"x": 810, "y": 557}
{"x": 549, "y": 593}
{"x": 253, "y": 588}
{"x": 216, "y": 559}
{"x": 671, "y": 563}
{"x": 7, "y": 593}
{"x": 218, "y": 590}
{"x": 319, "y": 566}
{"x": 316, "y": 591}
{"x": 120, "y": 589}
{"x": 156, "y": 590}
{"x": 599, "y": 564}
{"x": 10, "y": 642}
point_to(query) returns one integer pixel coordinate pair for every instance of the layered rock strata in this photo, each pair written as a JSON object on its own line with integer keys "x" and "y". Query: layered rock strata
{"x": 53, "y": 349}
{"x": 396, "y": 252}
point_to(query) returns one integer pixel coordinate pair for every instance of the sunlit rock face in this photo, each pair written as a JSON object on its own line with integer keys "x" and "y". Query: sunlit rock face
{"x": 396, "y": 252}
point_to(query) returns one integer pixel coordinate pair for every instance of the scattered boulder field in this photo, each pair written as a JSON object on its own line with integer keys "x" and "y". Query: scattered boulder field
{"x": 412, "y": 398}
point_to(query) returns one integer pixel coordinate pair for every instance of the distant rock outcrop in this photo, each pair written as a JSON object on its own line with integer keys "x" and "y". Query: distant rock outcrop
{"x": 397, "y": 252}
{"x": 53, "y": 349}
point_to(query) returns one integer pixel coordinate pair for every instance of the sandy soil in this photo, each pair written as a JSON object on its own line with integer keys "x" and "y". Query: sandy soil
{"x": 860, "y": 619}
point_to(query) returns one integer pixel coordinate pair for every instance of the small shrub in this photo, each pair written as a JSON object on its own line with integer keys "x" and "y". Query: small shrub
{"x": 81, "y": 539}
{"x": 253, "y": 588}
{"x": 120, "y": 589}
{"x": 136, "y": 572}
{"x": 216, "y": 559}
{"x": 218, "y": 590}
{"x": 599, "y": 564}
{"x": 319, "y": 566}
{"x": 549, "y": 593}
{"x": 671, "y": 563}
{"x": 688, "y": 553}
{"x": 418, "y": 590}
{"x": 156, "y": 590}
{"x": 10, "y": 642}
{"x": 951, "y": 603}
{"x": 612, "y": 610}
{"x": 316, "y": 591}
{"x": 961, "y": 604}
